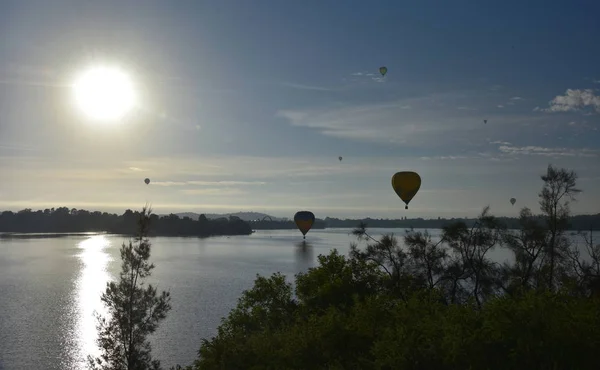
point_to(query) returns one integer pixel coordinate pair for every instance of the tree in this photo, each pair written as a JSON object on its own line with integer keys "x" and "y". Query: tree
{"x": 343, "y": 317}
{"x": 527, "y": 246}
{"x": 429, "y": 304}
{"x": 559, "y": 188}
{"x": 134, "y": 309}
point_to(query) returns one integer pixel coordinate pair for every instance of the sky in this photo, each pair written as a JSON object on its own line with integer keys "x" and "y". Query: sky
{"x": 246, "y": 106}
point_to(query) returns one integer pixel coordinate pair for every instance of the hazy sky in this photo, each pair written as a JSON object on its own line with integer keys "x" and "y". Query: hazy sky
{"x": 246, "y": 105}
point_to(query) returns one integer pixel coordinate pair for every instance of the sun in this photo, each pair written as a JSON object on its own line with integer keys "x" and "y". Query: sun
{"x": 104, "y": 94}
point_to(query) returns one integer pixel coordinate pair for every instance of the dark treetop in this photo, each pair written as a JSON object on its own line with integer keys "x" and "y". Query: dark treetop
{"x": 64, "y": 220}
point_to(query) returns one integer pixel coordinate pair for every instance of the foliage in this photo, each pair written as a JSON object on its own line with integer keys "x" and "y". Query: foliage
{"x": 134, "y": 309}
{"x": 382, "y": 331}
{"x": 430, "y": 304}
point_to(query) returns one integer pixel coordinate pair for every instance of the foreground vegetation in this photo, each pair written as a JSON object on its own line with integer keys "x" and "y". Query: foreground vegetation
{"x": 431, "y": 304}
{"x": 134, "y": 308}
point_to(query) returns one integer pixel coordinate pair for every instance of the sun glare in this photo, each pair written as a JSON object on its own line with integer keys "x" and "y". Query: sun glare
{"x": 104, "y": 93}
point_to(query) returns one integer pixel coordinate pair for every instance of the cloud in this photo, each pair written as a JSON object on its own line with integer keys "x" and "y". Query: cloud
{"x": 306, "y": 87}
{"x": 574, "y": 100}
{"x": 364, "y": 77}
{"x": 29, "y": 75}
{"x": 500, "y": 106}
{"x": 431, "y": 121}
{"x": 207, "y": 183}
{"x": 513, "y": 100}
{"x": 215, "y": 184}
{"x": 549, "y": 152}
{"x": 242, "y": 170}
{"x": 136, "y": 169}
{"x": 31, "y": 70}
{"x": 465, "y": 108}
{"x": 445, "y": 157}
{"x": 214, "y": 191}
{"x": 17, "y": 147}
{"x": 169, "y": 183}
{"x": 500, "y": 142}
{"x": 225, "y": 183}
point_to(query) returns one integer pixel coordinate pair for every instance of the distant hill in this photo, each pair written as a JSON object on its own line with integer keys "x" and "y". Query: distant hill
{"x": 244, "y": 216}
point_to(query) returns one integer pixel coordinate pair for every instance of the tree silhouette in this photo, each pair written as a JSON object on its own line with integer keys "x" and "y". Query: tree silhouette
{"x": 134, "y": 309}
{"x": 64, "y": 220}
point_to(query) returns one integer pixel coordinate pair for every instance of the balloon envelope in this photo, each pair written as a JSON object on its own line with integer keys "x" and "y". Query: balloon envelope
{"x": 406, "y": 184}
{"x": 383, "y": 70}
{"x": 147, "y": 181}
{"x": 304, "y": 221}
{"x": 513, "y": 200}
{"x": 340, "y": 158}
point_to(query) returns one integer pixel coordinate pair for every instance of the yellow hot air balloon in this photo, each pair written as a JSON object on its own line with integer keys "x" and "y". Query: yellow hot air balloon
{"x": 406, "y": 184}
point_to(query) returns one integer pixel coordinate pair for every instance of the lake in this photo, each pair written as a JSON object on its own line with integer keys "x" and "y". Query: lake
{"x": 50, "y": 288}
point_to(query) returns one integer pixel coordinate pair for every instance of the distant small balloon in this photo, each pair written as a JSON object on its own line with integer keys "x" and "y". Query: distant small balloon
{"x": 340, "y": 158}
{"x": 383, "y": 71}
{"x": 147, "y": 181}
{"x": 513, "y": 200}
{"x": 485, "y": 121}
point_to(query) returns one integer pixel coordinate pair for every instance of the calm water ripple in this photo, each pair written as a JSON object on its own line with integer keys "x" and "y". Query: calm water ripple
{"x": 50, "y": 288}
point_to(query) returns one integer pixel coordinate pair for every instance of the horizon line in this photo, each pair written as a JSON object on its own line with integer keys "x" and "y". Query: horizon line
{"x": 433, "y": 218}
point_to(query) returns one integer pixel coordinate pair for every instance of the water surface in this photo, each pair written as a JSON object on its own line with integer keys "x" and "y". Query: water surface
{"x": 50, "y": 288}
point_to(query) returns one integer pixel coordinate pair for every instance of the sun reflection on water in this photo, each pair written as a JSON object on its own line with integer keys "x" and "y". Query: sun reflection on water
{"x": 90, "y": 285}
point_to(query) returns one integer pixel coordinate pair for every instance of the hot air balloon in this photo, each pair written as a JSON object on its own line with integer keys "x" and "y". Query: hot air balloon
{"x": 340, "y": 158}
{"x": 147, "y": 181}
{"x": 383, "y": 70}
{"x": 513, "y": 200}
{"x": 406, "y": 184}
{"x": 304, "y": 221}
{"x": 485, "y": 121}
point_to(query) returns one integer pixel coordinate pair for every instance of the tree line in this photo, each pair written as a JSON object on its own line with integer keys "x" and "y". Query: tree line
{"x": 285, "y": 225}
{"x": 577, "y": 223}
{"x": 65, "y": 220}
{"x": 423, "y": 304}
